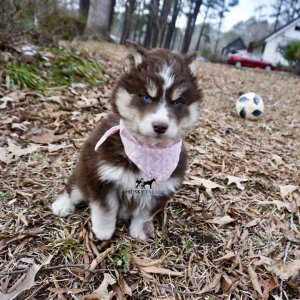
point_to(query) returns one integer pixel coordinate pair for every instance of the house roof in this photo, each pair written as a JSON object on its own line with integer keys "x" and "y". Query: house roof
{"x": 281, "y": 29}
{"x": 235, "y": 42}
{"x": 273, "y": 34}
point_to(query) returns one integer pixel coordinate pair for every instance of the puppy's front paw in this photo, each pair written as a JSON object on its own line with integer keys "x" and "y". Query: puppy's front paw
{"x": 137, "y": 232}
{"x": 103, "y": 232}
{"x": 63, "y": 206}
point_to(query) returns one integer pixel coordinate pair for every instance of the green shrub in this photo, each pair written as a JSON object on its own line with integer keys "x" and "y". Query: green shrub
{"x": 41, "y": 22}
{"x": 292, "y": 51}
{"x": 292, "y": 54}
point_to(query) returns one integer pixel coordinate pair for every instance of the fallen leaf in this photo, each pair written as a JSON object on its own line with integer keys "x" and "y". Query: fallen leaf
{"x": 285, "y": 271}
{"x": 253, "y": 223}
{"x": 254, "y": 280}
{"x": 100, "y": 258}
{"x": 278, "y": 160}
{"x": 208, "y": 184}
{"x": 147, "y": 262}
{"x": 227, "y": 256}
{"x": 287, "y": 189}
{"x": 86, "y": 102}
{"x": 78, "y": 85}
{"x": 54, "y": 147}
{"x": 123, "y": 284}
{"x": 119, "y": 295}
{"x": 13, "y": 151}
{"x": 47, "y": 137}
{"x": 101, "y": 293}
{"x": 293, "y": 236}
{"x": 54, "y": 98}
{"x": 27, "y": 282}
{"x": 226, "y": 283}
{"x": 221, "y": 220}
{"x": 217, "y": 140}
{"x": 7, "y": 120}
{"x": 278, "y": 203}
{"x": 73, "y": 291}
{"x": 268, "y": 285}
{"x": 5, "y": 156}
{"x": 215, "y": 284}
{"x": 293, "y": 284}
{"x": 11, "y": 97}
{"x": 20, "y": 126}
{"x": 263, "y": 261}
{"x": 237, "y": 181}
{"x": 163, "y": 271}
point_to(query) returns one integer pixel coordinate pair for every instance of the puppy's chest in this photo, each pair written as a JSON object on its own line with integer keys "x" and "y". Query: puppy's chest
{"x": 136, "y": 185}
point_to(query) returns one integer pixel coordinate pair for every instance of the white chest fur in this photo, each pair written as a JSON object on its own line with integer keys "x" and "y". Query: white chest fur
{"x": 136, "y": 184}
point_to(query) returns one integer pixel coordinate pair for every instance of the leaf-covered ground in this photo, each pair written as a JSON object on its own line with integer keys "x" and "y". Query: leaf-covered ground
{"x": 231, "y": 232}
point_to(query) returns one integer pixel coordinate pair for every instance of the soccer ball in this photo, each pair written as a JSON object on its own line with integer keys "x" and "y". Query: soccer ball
{"x": 250, "y": 106}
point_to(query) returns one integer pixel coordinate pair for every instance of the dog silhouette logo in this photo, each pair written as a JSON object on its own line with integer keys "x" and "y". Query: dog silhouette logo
{"x": 141, "y": 183}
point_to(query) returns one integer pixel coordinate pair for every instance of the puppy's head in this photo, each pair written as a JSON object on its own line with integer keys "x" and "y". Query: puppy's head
{"x": 158, "y": 96}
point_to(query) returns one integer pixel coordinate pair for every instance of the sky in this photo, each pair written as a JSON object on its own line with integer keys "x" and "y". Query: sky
{"x": 242, "y": 12}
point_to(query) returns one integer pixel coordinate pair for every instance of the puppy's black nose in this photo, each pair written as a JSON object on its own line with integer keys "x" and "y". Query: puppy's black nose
{"x": 160, "y": 127}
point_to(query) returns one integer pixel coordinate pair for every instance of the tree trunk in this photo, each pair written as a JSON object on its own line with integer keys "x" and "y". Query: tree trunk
{"x": 130, "y": 6}
{"x": 278, "y": 15}
{"x": 141, "y": 22}
{"x": 148, "y": 34}
{"x": 202, "y": 28}
{"x": 218, "y": 37}
{"x": 84, "y": 8}
{"x": 190, "y": 27}
{"x": 171, "y": 27}
{"x": 154, "y": 10}
{"x": 140, "y": 28}
{"x": 221, "y": 15}
{"x": 174, "y": 38}
{"x": 163, "y": 20}
{"x": 297, "y": 68}
{"x": 138, "y": 25}
{"x": 111, "y": 14}
{"x": 99, "y": 19}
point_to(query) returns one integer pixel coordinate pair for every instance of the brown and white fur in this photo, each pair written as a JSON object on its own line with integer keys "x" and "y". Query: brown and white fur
{"x": 102, "y": 176}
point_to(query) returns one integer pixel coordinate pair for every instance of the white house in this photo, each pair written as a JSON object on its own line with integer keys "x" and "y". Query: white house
{"x": 272, "y": 46}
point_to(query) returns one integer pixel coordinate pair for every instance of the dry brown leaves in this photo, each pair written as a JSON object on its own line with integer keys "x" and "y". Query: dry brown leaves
{"x": 231, "y": 231}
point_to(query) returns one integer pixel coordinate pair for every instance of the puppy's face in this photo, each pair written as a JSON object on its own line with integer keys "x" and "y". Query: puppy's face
{"x": 158, "y": 95}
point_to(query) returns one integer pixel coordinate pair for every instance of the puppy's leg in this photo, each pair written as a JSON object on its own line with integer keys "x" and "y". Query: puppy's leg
{"x": 138, "y": 221}
{"x": 141, "y": 226}
{"x": 141, "y": 215}
{"x": 104, "y": 218}
{"x": 65, "y": 203}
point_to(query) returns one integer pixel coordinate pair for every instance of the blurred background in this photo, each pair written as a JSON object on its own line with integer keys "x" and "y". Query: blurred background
{"x": 215, "y": 28}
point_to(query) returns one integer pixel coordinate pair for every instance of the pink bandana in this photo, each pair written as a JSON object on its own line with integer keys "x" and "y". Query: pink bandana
{"x": 156, "y": 161}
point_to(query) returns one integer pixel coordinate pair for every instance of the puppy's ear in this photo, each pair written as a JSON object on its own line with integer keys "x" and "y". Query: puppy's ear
{"x": 191, "y": 60}
{"x": 134, "y": 54}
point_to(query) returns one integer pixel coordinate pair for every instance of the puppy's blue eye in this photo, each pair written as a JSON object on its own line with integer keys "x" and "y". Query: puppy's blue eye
{"x": 177, "y": 103}
{"x": 146, "y": 98}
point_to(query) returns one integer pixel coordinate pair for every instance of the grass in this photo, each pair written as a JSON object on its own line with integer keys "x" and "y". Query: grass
{"x": 121, "y": 258}
{"x": 53, "y": 67}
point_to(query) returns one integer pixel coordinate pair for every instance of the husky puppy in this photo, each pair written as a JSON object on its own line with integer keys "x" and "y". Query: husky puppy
{"x": 134, "y": 161}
